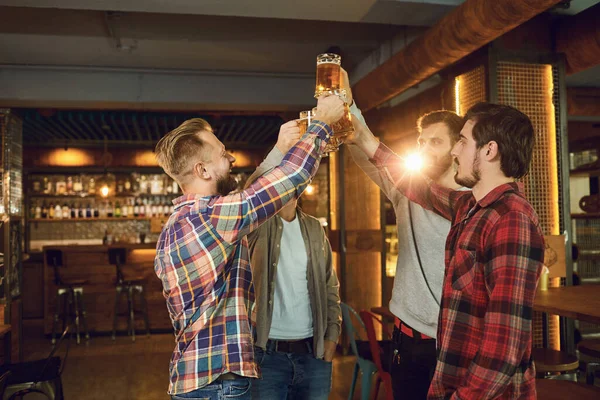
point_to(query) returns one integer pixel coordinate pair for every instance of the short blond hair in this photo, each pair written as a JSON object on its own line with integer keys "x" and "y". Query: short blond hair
{"x": 178, "y": 148}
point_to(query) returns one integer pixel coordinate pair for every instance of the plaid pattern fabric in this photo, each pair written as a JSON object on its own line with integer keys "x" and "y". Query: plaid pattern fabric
{"x": 494, "y": 256}
{"x": 202, "y": 261}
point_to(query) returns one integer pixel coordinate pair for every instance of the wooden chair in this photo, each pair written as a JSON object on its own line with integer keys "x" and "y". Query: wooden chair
{"x": 590, "y": 348}
{"x": 383, "y": 374}
{"x": 552, "y": 389}
{"x": 555, "y": 364}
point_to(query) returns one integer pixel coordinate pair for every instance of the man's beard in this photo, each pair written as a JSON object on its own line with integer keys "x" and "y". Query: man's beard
{"x": 226, "y": 184}
{"x": 438, "y": 166}
{"x": 475, "y": 177}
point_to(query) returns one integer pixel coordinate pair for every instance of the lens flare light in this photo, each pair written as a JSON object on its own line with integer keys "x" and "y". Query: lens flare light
{"x": 413, "y": 162}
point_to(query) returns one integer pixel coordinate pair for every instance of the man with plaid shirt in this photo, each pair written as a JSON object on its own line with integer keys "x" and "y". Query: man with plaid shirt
{"x": 202, "y": 252}
{"x": 494, "y": 255}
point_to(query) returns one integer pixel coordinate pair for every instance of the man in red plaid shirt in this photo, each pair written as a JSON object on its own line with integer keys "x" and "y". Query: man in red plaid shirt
{"x": 494, "y": 254}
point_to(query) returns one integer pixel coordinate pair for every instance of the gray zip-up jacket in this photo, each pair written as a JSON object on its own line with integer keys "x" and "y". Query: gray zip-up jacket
{"x": 323, "y": 285}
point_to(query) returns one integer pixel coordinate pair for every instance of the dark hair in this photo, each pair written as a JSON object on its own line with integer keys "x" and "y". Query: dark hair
{"x": 451, "y": 119}
{"x": 510, "y": 129}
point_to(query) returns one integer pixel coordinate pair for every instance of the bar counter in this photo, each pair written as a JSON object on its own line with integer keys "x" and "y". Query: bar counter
{"x": 90, "y": 263}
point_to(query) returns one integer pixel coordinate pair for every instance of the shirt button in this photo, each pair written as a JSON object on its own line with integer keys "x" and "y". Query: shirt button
{"x": 274, "y": 264}
{"x": 277, "y": 246}
{"x": 270, "y": 302}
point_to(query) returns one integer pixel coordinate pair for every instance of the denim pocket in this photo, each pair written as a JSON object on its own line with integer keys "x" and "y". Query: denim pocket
{"x": 237, "y": 388}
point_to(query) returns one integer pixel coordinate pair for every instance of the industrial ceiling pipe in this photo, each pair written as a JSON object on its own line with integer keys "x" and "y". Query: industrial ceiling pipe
{"x": 470, "y": 26}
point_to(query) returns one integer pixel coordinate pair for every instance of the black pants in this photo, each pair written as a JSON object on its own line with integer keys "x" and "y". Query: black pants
{"x": 412, "y": 366}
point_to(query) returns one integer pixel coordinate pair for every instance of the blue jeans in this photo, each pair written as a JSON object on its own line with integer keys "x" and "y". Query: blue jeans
{"x": 288, "y": 376}
{"x": 238, "y": 389}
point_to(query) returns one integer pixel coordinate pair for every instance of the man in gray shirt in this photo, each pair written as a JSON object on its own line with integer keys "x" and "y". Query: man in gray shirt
{"x": 422, "y": 234}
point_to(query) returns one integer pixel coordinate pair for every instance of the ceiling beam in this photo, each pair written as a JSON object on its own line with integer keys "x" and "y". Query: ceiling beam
{"x": 578, "y": 37}
{"x": 469, "y": 27}
{"x": 583, "y": 102}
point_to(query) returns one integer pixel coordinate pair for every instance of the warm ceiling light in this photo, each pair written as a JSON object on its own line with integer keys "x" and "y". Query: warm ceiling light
{"x": 413, "y": 162}
{"x": 310, "y": 189}
{"x": 104, "y": 190}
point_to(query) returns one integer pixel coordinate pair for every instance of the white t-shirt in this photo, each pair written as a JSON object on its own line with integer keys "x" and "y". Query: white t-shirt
{"x": 292, "y": 314}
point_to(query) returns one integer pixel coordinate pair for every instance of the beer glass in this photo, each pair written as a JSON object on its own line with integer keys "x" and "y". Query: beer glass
{"x": 328, "y": 73}
{"x": 341, "y": 129}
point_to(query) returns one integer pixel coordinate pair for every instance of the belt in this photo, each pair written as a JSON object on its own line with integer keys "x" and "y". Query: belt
{"x": 228, "y": 376}
{"x": 303, "y": 346}
{"x": 408, "y": 331}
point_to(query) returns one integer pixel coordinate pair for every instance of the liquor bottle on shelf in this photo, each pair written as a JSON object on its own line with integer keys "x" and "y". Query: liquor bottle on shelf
{"x": 92, "y": 186}
{"x": 120, "y": 186}
{"x": 117, "y": 210}
{"x": 77, "y": 185}
{"x": 74, "y": 210}
{"x": 69, "y": 185}
{"x": 127, "y": 185}
{"x": 130, "y": 208}
{"x": 66, "y": 212}
{"x": 51, "y": 210}
{"x": 32, "y": 210}
{"x": 144, "y": 187}
{"x": 95, "y": 211}
{"x": 81, "y": 212}
{"x": 38, "y": 211}
{"x": 45, "y": 211}
{"x": 175, "y": 187}
{"x": 61, "y": 186}
{"x": 136, "y": 208}
{"x": 142, "y": 209}
{"x": 154, "y": 209}
{"x": 36, "y": 185}
{"x": 125, "y": 210}
{"x": 161, "y": 208}
{"x": 88, "y": 211}
{"x": 109, "y": 210}
{"x": 47, "y": 189}
{"x": 58, "y": 211}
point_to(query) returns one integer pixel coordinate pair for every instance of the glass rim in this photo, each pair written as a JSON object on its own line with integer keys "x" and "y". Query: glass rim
{"x": 329, "y": 58}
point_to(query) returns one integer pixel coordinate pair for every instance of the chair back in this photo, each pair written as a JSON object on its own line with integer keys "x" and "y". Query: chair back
{"x": 54, "y": 259}
{"x": 117, "y": 257}
{"x": 347, "y": 313}
{"x": 4, "y": 382}
{"x": 368, "y": 319}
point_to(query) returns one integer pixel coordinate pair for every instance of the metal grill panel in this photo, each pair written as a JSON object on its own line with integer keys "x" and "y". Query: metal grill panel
{"x": 530, "y": 88}
{"x": 469, "y": 89}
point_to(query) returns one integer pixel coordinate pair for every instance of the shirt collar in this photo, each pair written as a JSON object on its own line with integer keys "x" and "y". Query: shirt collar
{"x": 498, "y": 191}
{"x": 188, "y": 199}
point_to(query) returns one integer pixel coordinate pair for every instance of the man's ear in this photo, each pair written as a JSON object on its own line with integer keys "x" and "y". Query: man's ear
{"x": 491, "y": 151}
{"x": 200, "y": 171}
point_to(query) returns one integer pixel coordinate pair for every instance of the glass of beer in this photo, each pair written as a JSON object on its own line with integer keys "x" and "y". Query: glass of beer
{"x": 328, "y": 73}
{"x": 341, "y": 129}
{"x": 304, "y": 121}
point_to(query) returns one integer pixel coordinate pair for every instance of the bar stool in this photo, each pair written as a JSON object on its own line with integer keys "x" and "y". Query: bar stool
{"x": 70, "y": 292}
{"x": 591, "y": 349}
{"x": 128, "y": 286}
{"x": 554, "y": 364}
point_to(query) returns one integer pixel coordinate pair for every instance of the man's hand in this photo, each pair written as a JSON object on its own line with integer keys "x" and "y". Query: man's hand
{"x": 329, "y": 350}
{"x": 363, "y": 138}
{"x": 289, "y": 134}
{"x": 330, "y": 109}
{"x": 345, "y": 84}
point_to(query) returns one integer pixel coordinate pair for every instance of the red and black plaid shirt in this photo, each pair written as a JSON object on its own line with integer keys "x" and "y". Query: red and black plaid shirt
{"x": 494, "y": 256}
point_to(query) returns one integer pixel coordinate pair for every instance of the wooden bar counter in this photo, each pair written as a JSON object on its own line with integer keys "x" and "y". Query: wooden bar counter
{"x": 91, "y": 263}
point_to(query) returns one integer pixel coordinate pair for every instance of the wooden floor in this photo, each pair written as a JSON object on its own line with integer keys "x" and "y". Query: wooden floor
{"x": 126, "y": 370}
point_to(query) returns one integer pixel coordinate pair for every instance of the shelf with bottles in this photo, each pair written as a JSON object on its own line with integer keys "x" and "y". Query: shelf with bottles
{"x": 101, "y": 185}
{"x": 100, "y": 209}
